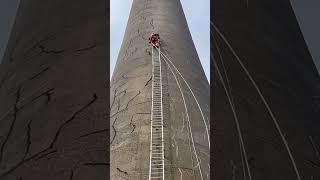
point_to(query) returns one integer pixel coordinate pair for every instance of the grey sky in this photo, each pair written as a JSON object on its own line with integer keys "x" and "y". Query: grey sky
{"x": 8, "y": 10}
{"x": 308, "y": 15}
{"x": 198, "y": 18}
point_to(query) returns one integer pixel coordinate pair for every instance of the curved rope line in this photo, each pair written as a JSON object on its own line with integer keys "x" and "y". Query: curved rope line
{"x": 230, "y": 92}
{"x": 204, "y": 121}
{"x": 190, "y": 130}
{"x": 262, "y": 98}
{"x": 236, "y": 120}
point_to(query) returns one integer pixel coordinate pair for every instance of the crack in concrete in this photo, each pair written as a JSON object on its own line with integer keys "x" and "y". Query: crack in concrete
{"x": 97, "y": 164}
{"x": 124, "y": 92}
{"x": 48, "y": 37}
{"x": 132, "y": 124}
{"x": 39, "y": 73}
{"x": 118, "y": 104}
{"x": 71, "y": 174}
{"x": 47, "y": 93}
{"x": 45, "y": 50}
{"x": 86, "y": 48}
{"x": 121, "y": 171}
{"x": 28, "y": 140}
{"x": 21, "y": 162}
{"x": 151, "y": 23}
{"x": 148, "y": 82}
{"x": 114, "y": 129}
{"x": 46, "y": 154}
{"x": 94, "y": 98}
{"x": 15, "y": 113}
{"x": 123, "y": 76}
{"x": 114, "y": 98}
{"x": 126, "y": 107}
{"x": 53, "y": 142}
{"x": 94, "y": 132}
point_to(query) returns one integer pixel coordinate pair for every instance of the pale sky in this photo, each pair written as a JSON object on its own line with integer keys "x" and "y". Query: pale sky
{"x": 198, "y": 18}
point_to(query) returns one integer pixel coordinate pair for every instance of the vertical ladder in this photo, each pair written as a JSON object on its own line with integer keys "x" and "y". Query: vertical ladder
{"x": 156, "y": 169}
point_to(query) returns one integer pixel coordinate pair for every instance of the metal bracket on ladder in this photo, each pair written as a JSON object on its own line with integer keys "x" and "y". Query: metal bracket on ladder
{"x": 156, "y": 169}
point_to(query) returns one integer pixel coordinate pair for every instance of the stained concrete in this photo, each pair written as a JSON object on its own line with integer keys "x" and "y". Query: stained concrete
{"x": 53, "y": 92}
{"x": 130, "y": 96}
{"x": 275, "y": 134}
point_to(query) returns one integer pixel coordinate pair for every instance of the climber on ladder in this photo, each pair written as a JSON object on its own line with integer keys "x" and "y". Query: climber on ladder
{"x": 154, "y": 40}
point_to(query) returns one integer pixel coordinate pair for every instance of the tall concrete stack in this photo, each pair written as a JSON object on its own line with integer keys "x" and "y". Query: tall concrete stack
{"x": 53, "y": 92}
{"x": 186, "y": 141}
{"x": 266, "y": 89}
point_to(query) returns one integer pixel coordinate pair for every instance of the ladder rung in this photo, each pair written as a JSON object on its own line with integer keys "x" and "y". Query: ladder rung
{"x": 157, "y": 158}
{"x": 159, "y": 163}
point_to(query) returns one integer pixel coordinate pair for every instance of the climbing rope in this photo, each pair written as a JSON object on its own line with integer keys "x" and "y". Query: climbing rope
{"x": 186, "y": 109}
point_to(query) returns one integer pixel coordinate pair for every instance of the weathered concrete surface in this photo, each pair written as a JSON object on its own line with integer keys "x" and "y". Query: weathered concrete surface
{"x": 53, "y": 92}
{"x": 130, "y": 96}
{"x": 266, "y": 38}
